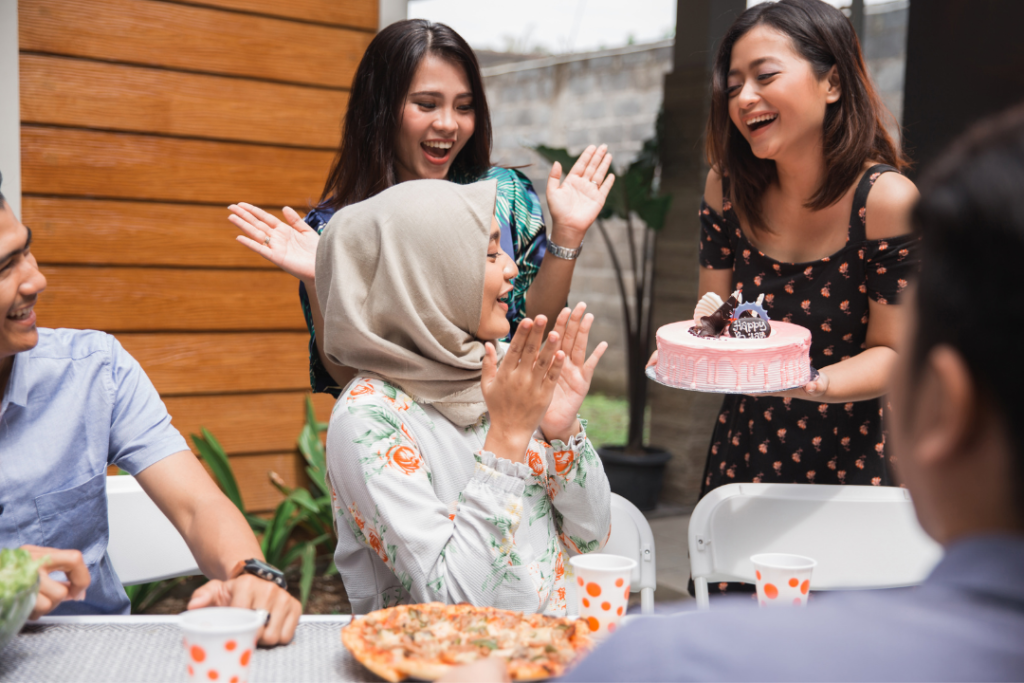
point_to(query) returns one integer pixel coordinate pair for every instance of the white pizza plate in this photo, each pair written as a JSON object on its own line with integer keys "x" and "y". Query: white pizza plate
{"x": 653, "y": 376}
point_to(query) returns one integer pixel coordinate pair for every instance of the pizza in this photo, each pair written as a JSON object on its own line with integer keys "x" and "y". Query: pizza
{"x": 424, "y": 641}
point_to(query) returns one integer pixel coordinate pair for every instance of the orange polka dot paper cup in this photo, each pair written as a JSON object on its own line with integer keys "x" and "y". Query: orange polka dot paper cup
{"x": 782, "y": 580}
{"x": 220, "y": 641}
{"x": 602, "y": 590}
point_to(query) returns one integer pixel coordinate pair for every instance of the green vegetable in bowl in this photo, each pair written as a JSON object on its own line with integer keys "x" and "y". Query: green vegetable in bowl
{"x": 18, "y": 571}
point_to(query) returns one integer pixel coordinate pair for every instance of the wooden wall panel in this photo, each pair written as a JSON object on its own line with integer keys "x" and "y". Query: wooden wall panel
{"x": 251, "y": 471}
{"x": 59, "y": 161}
{"x": 248, "y": 423}
{"x": 222, "y": 363}
{"x": 99, "y": 232}
{"x": 141, "y": 121}
{"x": 338, "y": 12}
{"x": 170, "y": 299}
{"x": 192, "y": 39}
{"x": 75, "y": 92}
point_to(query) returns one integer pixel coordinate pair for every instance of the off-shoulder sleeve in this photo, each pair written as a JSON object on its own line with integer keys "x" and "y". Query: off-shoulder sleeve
{"x": 889, "y": 265}
{"x": 715, "y": 246}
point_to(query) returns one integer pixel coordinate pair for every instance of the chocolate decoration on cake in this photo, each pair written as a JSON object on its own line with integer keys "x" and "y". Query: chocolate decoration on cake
{"x": 714, "y": 325}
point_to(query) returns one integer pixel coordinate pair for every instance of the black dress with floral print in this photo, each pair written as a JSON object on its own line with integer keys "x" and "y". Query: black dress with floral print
{"x": 771, "y": 439}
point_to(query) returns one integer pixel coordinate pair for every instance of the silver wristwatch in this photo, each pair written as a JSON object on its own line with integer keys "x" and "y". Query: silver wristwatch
{"x": 564, "y": 252}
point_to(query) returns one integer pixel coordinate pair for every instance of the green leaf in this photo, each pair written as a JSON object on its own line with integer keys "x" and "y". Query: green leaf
{"x": 213, "y": 454}
{"x": 308, "y": 572}
{"x": 278, "y": 531}
{"x": 303, "y": 499}
{"x": 489, "y": 643}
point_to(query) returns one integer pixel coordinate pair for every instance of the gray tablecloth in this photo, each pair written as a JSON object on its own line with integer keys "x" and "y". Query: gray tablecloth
{"x": 140, "y": 651}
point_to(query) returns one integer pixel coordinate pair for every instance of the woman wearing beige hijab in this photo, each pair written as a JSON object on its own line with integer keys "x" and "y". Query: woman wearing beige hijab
{"x": 455, "y": 478}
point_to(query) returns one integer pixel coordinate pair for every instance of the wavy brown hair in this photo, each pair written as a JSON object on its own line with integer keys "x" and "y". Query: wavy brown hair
{"x": 365, "y": 163}
{"x": 853, "y": 130}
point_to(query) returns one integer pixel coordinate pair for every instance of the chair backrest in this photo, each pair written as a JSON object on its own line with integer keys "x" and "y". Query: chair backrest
{"x": 631, "y": 537}
{"x": 144, "y": 546}
{"x": 861, "y": 536}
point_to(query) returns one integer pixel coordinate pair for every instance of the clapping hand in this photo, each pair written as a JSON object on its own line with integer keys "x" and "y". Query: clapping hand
{"x": 291, "y": 245}
{"x": 574, "y": 381}
{"x": 576, "y": 201}
{"x": 519, "y": 391}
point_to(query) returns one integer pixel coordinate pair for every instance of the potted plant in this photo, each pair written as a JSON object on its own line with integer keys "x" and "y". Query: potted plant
{"x": 634, "y": 470}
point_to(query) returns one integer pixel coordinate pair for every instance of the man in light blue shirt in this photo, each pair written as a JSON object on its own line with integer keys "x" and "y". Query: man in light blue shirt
{"x": 73, "y": 403}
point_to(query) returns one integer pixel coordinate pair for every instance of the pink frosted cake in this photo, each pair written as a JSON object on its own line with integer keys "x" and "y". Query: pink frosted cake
{"x": 733, "y": 349}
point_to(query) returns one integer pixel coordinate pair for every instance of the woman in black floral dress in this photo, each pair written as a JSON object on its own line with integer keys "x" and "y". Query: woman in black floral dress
{"x": 807, "y": 206}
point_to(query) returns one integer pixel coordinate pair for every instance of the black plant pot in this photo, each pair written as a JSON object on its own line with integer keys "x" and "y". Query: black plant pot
{"x": 637, "y": 478}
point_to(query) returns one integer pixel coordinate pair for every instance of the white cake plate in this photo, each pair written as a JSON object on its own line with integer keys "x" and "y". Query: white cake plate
{"x": 652, "y": 375}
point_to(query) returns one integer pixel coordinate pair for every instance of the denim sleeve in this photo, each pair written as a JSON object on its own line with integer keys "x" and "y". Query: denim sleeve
{"x": 140, "y": 427}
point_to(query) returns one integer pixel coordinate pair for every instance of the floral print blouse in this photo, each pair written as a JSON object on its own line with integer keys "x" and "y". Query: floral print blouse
{"x": 424, "y": 514}
{"x": 522, "y": 236}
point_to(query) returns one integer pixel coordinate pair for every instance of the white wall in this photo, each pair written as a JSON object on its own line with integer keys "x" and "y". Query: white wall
{"x": 390, "y": 12}
{"x": 10, "y": 121}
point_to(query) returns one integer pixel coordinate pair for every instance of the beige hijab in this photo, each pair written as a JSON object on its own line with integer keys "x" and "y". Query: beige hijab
{"x": 400, "y": 279}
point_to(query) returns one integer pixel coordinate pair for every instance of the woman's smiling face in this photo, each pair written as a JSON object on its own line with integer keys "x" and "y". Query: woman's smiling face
{"x": 498, "y": 275}
{"x": 437, "y": 120}
{"x": 776, "y": 100}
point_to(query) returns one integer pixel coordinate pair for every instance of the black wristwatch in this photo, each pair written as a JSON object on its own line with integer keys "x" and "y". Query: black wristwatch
{"x": 262, "y": 570}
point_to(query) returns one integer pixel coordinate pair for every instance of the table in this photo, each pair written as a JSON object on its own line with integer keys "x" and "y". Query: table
{"x": 148, "y": 648}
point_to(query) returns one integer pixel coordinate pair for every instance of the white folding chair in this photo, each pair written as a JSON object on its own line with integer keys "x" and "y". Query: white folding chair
{"x": 144, "y": 546}
{"x": 631, "y": 537}
{"x": 861, "y": 536}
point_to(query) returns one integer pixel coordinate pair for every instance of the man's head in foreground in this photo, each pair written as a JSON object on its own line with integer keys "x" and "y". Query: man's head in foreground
{"x": 20, "y": 285}
{"x": 957, "y": 391}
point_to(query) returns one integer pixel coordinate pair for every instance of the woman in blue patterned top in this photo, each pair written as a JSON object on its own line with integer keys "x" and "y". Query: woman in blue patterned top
{"x": 417, "y": 110}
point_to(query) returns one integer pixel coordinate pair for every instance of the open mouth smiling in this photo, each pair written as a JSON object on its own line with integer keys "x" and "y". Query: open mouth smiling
{"x": 21, "y": 313}
{"x": 759, "y": 121}
{"x": 437, "y": 148}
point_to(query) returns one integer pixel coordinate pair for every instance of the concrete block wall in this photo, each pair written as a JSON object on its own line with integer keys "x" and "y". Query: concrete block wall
{"x": 612, "y": 97}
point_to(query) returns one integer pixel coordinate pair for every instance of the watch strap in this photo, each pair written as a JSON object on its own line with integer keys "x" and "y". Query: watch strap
{"x": 262, "y": 570}
{"x": 564, "y": 252}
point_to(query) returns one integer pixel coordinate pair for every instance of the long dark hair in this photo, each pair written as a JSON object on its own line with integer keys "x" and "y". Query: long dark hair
{"x": 365, "y": 163}
{"x": 853, "y": 130}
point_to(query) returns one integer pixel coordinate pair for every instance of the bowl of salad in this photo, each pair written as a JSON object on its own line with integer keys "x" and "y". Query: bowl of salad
{"x": 19, "y": 585}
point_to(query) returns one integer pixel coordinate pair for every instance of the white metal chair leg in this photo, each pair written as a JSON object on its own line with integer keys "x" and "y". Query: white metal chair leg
{"x": 646, "y": 601}
{"x": 700, "y": 586}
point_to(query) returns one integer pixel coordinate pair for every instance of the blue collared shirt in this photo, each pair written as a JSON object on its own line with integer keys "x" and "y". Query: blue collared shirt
{"x": 75, "y": 404}
{"x": 965, "y": 623}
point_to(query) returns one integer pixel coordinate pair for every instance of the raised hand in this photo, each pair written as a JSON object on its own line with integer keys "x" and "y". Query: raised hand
{"x": 291, "y": 245}
{"x": 559, "y": 421}
{"x": 576, "y": 201}
{"x": 518, "y": 393}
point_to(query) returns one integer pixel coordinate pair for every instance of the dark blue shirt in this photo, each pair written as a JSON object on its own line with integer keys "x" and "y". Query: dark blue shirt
{"x": 965, "y": 623}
